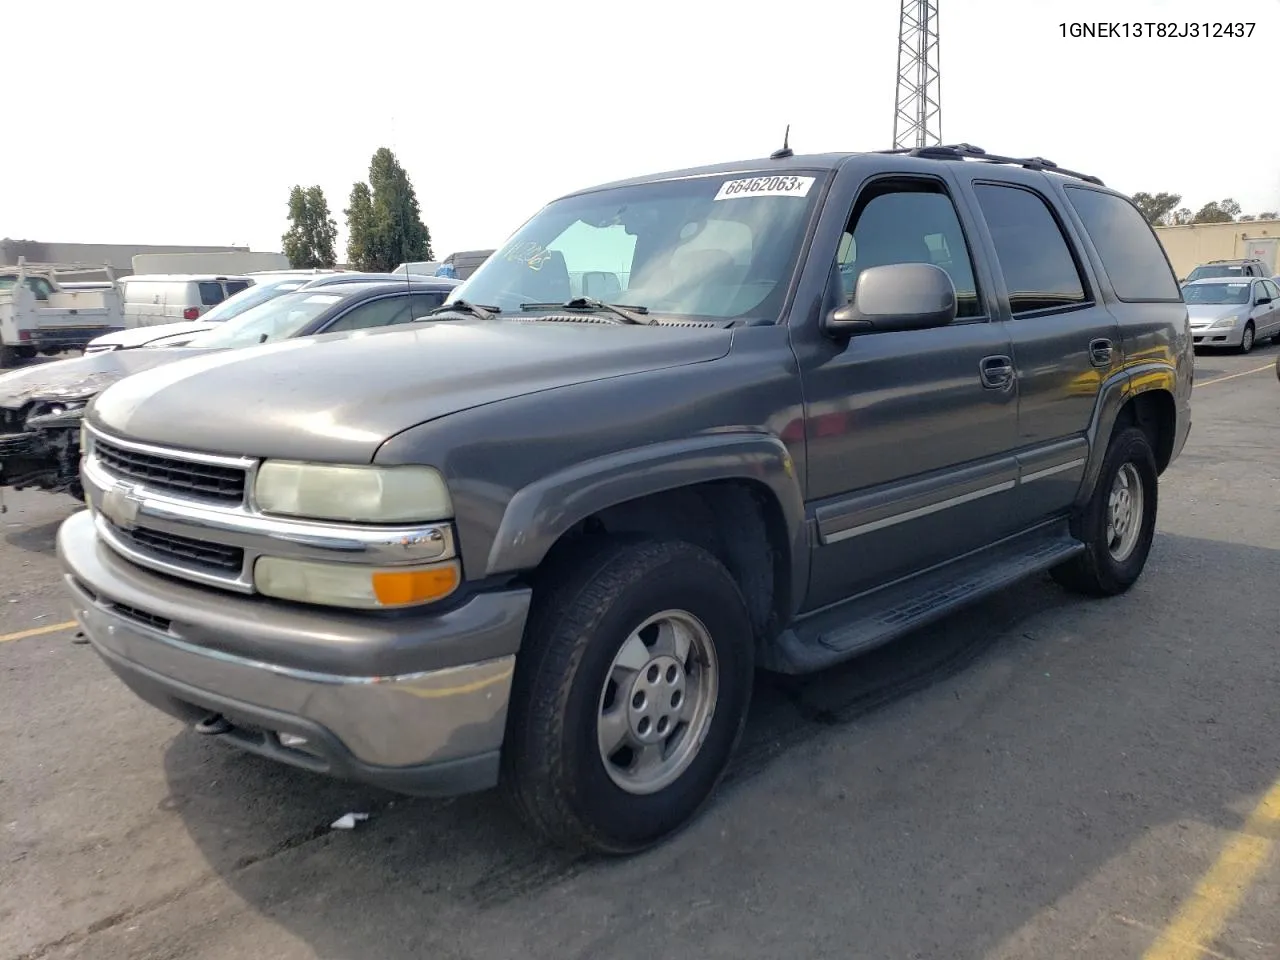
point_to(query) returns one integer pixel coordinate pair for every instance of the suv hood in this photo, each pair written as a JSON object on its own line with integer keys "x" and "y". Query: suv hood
{"x": 1202, "y": 314}
{"x": 140, "y": 336}
{"x": 338, "y": 397}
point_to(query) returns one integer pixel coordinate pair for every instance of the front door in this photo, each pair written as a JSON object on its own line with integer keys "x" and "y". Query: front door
{"x": 909, "y": 434}
{"x": 1266, "y": 310}
{"x": 1065, "y": 342}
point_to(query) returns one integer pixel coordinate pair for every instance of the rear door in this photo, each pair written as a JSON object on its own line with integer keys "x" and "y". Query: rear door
{"x": 1065, "y": 341}
{"x": 209, "y": 293}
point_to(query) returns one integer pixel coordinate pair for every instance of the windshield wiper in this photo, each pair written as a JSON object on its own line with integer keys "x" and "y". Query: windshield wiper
{"x": 627, "y": 313}
{"x": 483, "y": 311}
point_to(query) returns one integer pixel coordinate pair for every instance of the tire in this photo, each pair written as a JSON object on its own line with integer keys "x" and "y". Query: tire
{"x": 585, "y": 613}
{"x": 1246, "y": 338}
{"x": 1100, "y": 572}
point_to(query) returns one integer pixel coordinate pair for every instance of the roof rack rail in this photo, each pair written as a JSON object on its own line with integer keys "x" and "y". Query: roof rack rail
{"x": 967, "y": 151}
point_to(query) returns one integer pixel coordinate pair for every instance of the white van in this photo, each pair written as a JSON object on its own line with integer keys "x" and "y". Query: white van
{"x": 155, "y": 298}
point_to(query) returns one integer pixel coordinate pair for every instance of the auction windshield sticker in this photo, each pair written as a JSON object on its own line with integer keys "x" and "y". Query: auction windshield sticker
{"x": 532, "y": 255}
{"x": 764, "y": 187}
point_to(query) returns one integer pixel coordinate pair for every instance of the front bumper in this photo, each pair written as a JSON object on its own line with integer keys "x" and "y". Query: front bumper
{"x": 434, "y": 727}
{"x": 66, "y": 338}
{"x": 1217, "y": 336}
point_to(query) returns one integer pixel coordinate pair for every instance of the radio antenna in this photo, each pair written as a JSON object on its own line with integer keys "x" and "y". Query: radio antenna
{"x": 785, "y": 151}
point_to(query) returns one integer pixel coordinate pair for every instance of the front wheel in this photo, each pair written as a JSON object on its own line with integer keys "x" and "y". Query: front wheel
{"x": 1246, "y": 338}
{"x": 1118, "y": 523}
{"x": 631, "y": 693}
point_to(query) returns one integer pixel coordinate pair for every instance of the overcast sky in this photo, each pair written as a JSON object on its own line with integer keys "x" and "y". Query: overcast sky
{"x": 141, "y": 123}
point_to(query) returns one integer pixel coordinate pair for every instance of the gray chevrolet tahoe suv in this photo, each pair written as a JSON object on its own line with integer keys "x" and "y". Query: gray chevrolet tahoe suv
{"x": 827, "y": 400}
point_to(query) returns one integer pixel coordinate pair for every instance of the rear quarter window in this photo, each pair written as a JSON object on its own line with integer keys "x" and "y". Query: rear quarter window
{"x": 211, "y": 293}
{"x": 1130, "y": 252}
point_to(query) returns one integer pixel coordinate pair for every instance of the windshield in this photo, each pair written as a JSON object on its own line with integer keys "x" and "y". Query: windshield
{"x": 1216, "y": 292}
{"x": 238, "y": 303}
{"x": 719, "y": 247}
{"x": 1224, "y": 270}
{"x": 279, "y": 318}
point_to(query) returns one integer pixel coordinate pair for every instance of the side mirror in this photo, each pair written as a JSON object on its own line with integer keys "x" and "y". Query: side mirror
{"x": 897, "y": 296}
{"x": 1263, "y": 299}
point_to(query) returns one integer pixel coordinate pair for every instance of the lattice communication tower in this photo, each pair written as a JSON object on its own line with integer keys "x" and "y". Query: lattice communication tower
{"x": 917, "y": 116}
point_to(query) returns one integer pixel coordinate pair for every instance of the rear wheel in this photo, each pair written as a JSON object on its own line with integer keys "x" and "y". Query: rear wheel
{"x": 630, "y": 695}
{"x": 1118, "y": 523}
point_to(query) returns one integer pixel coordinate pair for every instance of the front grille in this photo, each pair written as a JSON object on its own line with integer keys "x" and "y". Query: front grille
{"x": 16, "y": 444}
{"x": 205, "y": 481}
{"x": 193, "y": 554}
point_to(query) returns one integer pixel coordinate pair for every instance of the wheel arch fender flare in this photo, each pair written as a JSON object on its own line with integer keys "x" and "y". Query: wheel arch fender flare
{"x": 1116, "y": 391}
{"x": 538, "y": 514}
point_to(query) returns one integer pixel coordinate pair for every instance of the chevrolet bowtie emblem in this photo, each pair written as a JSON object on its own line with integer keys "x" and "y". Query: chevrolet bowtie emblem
{"x": 121, "y": 504}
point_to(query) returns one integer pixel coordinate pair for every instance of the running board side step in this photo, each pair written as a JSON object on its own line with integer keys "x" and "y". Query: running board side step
{"x": 872, "y": 619}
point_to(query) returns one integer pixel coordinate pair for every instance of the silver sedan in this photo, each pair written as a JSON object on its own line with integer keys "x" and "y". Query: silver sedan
{"x": 1236, "y": 312}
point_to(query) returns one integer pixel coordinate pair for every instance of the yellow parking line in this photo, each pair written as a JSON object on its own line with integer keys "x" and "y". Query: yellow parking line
{"x": 1215, "y": 898}
{"x": 1232, "y": 376}
{"x": 38, "y": 631}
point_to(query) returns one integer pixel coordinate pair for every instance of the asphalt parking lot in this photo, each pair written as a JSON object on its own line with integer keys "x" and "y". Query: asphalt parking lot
{"x": 1039, "y": 777}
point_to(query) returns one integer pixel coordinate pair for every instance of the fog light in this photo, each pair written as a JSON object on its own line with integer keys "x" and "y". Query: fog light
{"x": 355, "y": 585}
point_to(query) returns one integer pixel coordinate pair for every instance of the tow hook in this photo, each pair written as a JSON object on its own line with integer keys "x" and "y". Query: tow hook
{"x": 213, "y": 724}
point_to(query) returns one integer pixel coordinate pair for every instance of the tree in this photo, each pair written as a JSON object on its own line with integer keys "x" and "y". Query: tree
{"x": 1158, "y": 207}
{"x": 1268, "y": 215}
{"x": 309, "y": 241}
{"x": 1217, "y": 211}
{"x": 1180, "y": 217}
{"x": 384, "y": 220}
{"x": 359, "y": 216}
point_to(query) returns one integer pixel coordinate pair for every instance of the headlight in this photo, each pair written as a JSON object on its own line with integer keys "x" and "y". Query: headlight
{"x": 354, "y": 585}
{"x": 361, "y": 494}
{"x": 1225, "y": 322}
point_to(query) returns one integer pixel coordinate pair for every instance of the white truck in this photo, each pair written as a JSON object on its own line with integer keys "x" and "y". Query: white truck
{"x": 40, "y": 315}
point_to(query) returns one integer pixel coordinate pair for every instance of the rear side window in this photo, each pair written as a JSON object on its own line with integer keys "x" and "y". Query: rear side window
{"x": 40, "y": 287}
{"x": 1129, "y": 250}
{"x": 1039, "y": 269}
{"x": 210, "y": 293}
{"x": 235, "y": 286}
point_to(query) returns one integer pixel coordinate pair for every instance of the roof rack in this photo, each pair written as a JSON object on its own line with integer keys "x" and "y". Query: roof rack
{"x": 967, "y": 151}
